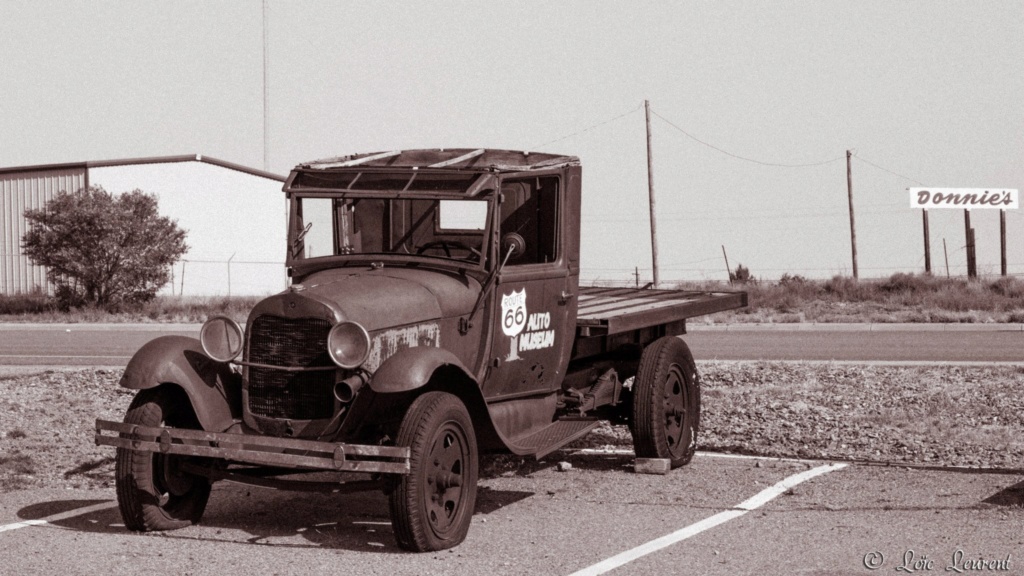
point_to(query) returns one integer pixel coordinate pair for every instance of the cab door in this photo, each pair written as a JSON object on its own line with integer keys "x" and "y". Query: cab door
{"x": 534, "y": 312}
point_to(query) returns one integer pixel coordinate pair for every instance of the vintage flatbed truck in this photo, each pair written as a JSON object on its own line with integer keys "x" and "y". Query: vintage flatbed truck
{"x": 434, "y": 314}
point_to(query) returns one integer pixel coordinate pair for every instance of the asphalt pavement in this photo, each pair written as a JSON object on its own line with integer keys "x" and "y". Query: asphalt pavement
{"x": 113, "y": 344}
{"x": 718, "y": 515}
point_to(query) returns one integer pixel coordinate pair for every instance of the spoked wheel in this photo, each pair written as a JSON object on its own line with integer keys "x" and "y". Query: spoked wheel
{"x": 432, "y": 506}
{"x": 666, "y": 403}
{"x": 153, "y": 492}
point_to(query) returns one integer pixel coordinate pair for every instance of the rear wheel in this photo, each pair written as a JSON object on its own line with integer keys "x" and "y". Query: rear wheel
{"x": 432, "y": 506}
{"x": 153, "y": 492}
{"x": 666, "y": 402}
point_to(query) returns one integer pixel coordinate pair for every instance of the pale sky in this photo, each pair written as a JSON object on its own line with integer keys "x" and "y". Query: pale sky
{"x": 929, "y": 90}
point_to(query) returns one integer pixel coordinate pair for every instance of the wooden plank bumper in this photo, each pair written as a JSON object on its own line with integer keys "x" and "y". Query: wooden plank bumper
{"x": 251, "y": 449}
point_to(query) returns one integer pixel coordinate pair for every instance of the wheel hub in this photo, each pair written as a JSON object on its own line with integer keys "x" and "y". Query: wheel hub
{"x": 675, "y": 410}
{"x": 445, "y": 479}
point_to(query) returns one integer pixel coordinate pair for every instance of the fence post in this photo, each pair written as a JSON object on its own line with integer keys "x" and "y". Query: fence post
{"x": 229, "y": 274}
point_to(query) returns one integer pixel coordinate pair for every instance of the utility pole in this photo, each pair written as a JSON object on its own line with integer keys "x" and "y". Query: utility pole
{"x": 1002, "y": 242}
{"x": 650, "y": 191}
{"x": 972, "y": 270}
{"x": 853, "y": 227}
{"x": 927, "y": 243}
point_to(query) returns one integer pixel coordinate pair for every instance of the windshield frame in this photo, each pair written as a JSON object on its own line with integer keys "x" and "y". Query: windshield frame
{"x": 299, "y": 266}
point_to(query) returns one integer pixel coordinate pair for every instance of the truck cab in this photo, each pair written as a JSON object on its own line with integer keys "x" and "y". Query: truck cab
{"x": 434, "y": 314}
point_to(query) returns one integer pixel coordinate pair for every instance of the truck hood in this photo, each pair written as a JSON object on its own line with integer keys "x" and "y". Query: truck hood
{"x": 387, "y": 297}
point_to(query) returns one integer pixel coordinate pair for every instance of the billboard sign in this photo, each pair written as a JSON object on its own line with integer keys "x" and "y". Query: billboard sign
{"x": 966, "y": 198}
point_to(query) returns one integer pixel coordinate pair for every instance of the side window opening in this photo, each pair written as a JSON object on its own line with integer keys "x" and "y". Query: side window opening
{"x": 315, "y": 228}
{"x": 530, "y": 209}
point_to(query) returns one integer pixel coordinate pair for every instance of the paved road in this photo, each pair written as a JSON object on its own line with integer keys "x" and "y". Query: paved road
{"x": 888, "y": 344}
{"x": 113, "y": 345}
{"x": 714, "y": 516}
{"x": 80, "y": 344}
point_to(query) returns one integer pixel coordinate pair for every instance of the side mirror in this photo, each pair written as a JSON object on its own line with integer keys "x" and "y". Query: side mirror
{"x": 513, "y": 245}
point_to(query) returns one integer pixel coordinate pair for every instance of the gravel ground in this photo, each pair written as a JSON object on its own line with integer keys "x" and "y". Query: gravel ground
{"x": 943, "y": 416}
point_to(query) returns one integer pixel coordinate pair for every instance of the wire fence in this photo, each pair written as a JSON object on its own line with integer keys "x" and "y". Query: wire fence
{"x": 195, "y": 277}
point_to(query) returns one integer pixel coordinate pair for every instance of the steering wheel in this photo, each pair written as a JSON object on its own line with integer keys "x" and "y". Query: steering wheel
{"x": 445, "y": 244}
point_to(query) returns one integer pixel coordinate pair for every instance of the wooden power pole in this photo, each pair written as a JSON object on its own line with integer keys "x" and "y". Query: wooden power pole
{"x": 1002, "y": 242}
{"x": 650, "y": 191}
{"x": 927, "y": 243}
{"x": 853, "y": 227}
{"x": 972, "y": 271}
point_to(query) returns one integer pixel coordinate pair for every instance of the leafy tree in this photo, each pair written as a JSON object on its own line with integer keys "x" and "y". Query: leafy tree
{"x": 101, "y": 249}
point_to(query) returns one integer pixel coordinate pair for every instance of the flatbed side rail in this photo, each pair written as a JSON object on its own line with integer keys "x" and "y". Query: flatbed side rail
{"x": 604, "y": 311}
{"x": 263, "y": 450}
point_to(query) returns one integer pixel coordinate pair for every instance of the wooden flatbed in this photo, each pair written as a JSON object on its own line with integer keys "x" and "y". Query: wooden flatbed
{"x": 607, "y": 311}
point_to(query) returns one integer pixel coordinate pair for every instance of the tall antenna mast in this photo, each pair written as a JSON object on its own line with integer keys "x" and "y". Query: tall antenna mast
{"x": 266, "y": 94}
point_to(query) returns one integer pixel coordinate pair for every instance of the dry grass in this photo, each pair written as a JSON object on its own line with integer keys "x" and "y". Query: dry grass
{"x": 185, "y": 309}
{"x": 899, "y": 298}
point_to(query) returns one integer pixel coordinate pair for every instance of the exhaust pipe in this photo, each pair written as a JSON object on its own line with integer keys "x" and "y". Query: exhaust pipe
{"x": 346, "y": 390}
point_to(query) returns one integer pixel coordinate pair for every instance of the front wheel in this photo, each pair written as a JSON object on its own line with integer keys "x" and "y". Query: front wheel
{"x": 432, "y": 506}
{"x": 153, "y": 492}
{"x": 666, "y": 402}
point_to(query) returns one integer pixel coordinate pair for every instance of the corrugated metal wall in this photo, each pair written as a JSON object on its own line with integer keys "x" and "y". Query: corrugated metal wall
{"x": 20, "y": 191}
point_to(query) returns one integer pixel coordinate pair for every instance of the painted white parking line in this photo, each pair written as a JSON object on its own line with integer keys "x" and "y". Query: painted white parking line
{"x": 59, "y": 356}
{"x": 59, "y": 517}
{"x": 702, "y": 454}
{"x": 740, "y": 509}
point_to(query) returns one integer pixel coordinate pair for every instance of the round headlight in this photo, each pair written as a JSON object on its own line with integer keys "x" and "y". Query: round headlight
{"x": 221, "y": 338}
{"x": 348, "y": 344}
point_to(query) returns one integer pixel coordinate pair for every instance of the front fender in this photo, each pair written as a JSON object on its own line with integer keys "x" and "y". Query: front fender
{"x": 213, "y": 389}
{"x": 411, "y": 368}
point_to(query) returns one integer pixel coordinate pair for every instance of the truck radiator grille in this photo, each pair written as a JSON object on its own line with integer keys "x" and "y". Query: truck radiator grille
{"x": 290, "y": 342}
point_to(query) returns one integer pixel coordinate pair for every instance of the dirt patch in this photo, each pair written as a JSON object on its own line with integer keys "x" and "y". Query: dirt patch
{"x": 960, "y": 416}
{"x": 47, "y": 423}
{"x": 942, "y": 416}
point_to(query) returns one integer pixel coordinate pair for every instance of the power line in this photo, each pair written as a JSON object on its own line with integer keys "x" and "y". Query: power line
{"x": 887, "y": 170}
{"x": 587, "y": 129}
{"x": 744, "y": 158}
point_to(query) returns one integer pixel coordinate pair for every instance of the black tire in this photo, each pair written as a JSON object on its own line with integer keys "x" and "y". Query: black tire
{"x": 432, "y": 506}
{"x": 152, "y": 491}
{"x": 666, "y": 402}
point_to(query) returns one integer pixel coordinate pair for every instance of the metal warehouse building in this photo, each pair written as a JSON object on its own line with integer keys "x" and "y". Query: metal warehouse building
{"x": 234, "y": 217}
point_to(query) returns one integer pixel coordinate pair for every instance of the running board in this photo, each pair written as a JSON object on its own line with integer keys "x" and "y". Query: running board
{"x": 554, "y": 436}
